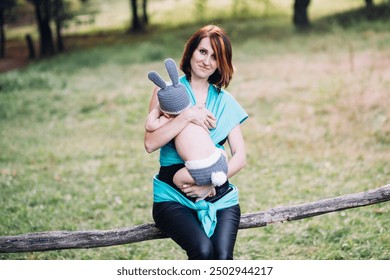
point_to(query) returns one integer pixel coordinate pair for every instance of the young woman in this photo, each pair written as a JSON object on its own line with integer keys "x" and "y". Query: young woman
{"x": 206, "y": 229}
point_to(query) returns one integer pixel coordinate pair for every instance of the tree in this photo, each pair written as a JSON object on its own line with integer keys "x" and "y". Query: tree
{"x": 59, "y": 16}
{"x": 43, "y": 16}
{"x": 57, "y": 11}
{"x": 300, "y": 18}
{"x": 136, "y": 24}
{"x": 369, "y": 3}
{"x": 6, "y": 8}
{"x": 144, "y": 11}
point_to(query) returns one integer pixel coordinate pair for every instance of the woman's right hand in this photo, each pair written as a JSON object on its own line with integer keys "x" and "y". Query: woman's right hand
{"x": 199, "y": 115}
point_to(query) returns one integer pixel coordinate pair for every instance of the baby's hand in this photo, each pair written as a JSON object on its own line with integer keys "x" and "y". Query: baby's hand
{"x": 210, "y": 193}
{"x": 213, "y": 192}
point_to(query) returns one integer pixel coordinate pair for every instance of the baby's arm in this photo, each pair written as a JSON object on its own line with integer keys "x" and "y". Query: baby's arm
{"x": 155, "y": 120}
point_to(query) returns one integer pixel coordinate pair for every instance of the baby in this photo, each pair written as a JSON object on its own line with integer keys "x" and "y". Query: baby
{"x": 205, "y": 164}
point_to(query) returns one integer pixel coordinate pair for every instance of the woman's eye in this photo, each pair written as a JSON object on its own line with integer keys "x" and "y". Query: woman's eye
{"x": 202, "y": 51}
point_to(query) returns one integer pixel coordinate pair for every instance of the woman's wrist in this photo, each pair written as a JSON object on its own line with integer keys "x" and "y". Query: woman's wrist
{"x": 187, "y": 115}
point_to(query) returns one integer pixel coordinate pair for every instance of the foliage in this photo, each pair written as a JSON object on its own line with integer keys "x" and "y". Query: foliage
{"x": 47, "y": 12}
{"x": 6, "y": 12}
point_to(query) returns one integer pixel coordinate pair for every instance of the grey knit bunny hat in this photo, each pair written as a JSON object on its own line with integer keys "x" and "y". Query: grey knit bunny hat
{"x": 173, "y": 97}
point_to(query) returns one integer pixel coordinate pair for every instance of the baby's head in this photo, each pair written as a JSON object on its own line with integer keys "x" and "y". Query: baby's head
{"x": 172, "y": 97}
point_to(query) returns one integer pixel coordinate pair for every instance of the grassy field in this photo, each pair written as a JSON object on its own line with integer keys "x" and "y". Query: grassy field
{"x": 71, "y": 138}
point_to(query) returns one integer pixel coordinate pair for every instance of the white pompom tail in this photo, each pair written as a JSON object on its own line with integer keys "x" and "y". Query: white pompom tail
{"x": 218, "y": 178}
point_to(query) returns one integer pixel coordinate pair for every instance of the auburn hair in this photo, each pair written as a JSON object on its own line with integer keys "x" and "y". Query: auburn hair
{"x": 222, "y": 48}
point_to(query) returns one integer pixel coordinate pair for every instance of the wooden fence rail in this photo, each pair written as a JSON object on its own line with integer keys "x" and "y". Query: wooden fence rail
{"x": 55, "y": 240}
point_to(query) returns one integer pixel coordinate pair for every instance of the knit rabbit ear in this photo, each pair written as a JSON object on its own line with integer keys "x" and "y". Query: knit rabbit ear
{"x": 156, "y": 78}
{"x": 172, "y": 70}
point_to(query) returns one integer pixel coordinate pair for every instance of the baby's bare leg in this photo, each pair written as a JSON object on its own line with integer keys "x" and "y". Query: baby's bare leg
{"x": 183, "y": 177}
{"x": 225, "y": 154}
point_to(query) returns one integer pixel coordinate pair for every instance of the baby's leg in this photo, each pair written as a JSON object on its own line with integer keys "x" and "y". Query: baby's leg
{"x": 183, "y": 177}
{"x": 225, "y": 154}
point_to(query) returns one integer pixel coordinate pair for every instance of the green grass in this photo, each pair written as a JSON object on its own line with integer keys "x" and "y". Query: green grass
{"x": 71, "y": 139}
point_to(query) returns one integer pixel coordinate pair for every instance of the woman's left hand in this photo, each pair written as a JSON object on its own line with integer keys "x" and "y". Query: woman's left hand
{"x": 200, "y": 192}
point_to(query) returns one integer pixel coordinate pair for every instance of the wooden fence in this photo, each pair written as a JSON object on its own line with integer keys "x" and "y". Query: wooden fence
{"x": 55, "y": 240}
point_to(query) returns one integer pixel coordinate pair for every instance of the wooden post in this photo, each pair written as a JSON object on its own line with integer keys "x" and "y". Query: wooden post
{"x": 55, "y": 240}
{"x": 30, "y": 47}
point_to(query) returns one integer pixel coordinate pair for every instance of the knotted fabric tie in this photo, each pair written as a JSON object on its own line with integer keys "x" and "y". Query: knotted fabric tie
{"x": 207, "y": 215}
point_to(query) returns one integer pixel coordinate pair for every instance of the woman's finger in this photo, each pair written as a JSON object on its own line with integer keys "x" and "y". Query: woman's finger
{"x": 212, "y": 123}
{"x": 205, "y": 126}
{"x": 210, "y": 115}
{"x": 186, "y": 190}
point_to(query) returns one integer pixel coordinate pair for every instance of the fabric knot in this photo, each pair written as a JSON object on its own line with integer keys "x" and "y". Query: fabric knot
{"x": 207, "y": 215}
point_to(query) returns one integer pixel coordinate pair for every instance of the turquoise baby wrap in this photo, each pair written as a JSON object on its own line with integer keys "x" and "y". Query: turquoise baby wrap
{"x": 207, "y": 211}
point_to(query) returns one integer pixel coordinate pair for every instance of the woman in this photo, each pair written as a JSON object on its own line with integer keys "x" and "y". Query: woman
{"x": 206, "y": 229}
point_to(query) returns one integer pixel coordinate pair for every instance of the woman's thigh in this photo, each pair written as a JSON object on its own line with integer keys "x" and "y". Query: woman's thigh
{"x": 225, "y": 234}
{"x": 182, "y": 225}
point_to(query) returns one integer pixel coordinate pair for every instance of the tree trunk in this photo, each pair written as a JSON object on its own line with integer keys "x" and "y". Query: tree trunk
{"x": 43, "y": 20}
{"x": 60, "y": 41}
{"x": 301, "y": 19}
{"x": 2, "y": 34}
{"x": 145, "y": 12}
{"x": 58, "y": 12}
{"x": 55, "y": 240}
{"x": 369, "y": 3}
{"x": 136, "y": 25}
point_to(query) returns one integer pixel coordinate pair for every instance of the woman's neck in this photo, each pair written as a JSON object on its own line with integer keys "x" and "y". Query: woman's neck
{"x": 200, "y": 89}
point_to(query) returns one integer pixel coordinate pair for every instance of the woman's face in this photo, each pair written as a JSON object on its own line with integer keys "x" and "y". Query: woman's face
{"x": 203, "y": 60}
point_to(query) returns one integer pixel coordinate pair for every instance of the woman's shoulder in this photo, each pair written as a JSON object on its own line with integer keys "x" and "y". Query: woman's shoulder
{"x": 223, "y": 94}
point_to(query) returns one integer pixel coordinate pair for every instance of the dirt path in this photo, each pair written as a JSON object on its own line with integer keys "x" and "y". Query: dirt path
{"x": 16, "y": 56}
{"x": 8, "y": 64}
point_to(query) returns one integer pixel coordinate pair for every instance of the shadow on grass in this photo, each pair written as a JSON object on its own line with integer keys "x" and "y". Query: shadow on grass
{"x": 378, "y": 13}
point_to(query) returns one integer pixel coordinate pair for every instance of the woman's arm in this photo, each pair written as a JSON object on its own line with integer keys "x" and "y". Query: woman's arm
{"x": 238, "y": 151}
{"x": 155, "y": 120}
{"x": 161, "y": 136}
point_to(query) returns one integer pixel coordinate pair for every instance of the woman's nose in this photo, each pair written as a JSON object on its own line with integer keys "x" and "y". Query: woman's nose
{"x": 206, "y": 61}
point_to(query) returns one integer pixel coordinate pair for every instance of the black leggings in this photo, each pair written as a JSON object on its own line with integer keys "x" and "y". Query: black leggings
{"x": 182, "y": 225}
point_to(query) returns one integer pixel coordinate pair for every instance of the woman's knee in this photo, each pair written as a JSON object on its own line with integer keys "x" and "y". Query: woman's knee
{"x": 224, "y": 254}
{"x": 202, "y": 251}
{"x": 206, "y": 251}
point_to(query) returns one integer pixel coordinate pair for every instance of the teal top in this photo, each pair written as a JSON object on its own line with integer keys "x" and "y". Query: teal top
{"x": 228, "y": 113}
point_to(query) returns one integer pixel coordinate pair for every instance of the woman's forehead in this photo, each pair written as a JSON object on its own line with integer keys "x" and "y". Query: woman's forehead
{"x": 205, "y": 43}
